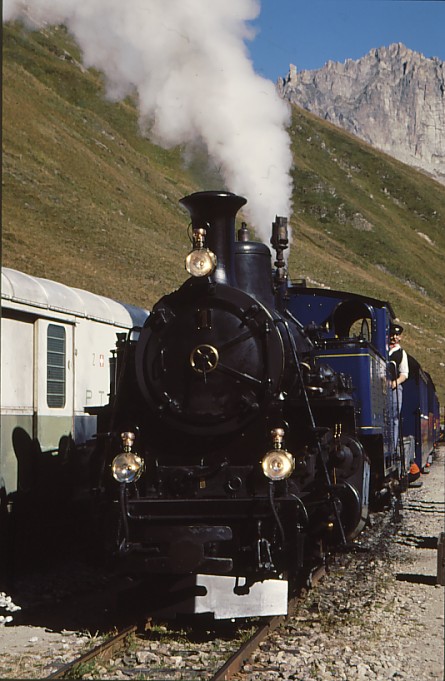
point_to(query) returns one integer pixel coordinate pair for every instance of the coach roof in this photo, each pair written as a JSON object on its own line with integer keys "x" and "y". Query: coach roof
{"x": 19, "y": 287}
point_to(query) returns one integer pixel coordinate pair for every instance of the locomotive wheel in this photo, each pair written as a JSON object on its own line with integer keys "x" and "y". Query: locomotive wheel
{"x": 351, "y": 469}
{"x": 209, "y": 358}
{"x": 353, "y": 513}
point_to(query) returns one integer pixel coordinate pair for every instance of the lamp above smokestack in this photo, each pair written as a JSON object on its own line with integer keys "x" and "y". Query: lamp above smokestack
{"x": 214, "y": 212}
{"x": 201, "y": 261}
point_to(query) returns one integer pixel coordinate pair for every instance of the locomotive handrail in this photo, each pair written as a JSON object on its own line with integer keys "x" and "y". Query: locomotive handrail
{"x": 359, "y": 343}
{"x": 345, "y": 340}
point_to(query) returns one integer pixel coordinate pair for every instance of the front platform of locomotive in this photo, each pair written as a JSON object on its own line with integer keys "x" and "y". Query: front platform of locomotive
{"x": 206, "y": 486}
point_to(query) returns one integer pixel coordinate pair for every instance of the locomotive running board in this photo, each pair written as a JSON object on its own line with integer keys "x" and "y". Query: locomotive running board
{"x": 226, "y": 597}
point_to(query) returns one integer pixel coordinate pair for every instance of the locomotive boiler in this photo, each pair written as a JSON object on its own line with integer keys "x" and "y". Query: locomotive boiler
{"x": 228, "y": 454}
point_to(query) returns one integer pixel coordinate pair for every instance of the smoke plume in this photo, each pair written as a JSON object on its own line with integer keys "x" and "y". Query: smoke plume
{"x": 188, "y": 63}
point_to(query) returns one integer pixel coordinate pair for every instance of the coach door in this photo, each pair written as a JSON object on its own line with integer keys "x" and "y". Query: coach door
{"x": 54, "y": 381}
{"x": 17, "y": 391}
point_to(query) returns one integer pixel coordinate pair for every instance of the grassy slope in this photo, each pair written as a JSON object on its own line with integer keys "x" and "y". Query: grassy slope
{"x": 90, "y": 202}
{"x": 370, "y": 224}
{"x": 86, "y": 198}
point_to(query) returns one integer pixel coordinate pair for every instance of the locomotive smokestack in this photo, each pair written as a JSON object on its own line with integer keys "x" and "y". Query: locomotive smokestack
{"x": 215, "y": 212}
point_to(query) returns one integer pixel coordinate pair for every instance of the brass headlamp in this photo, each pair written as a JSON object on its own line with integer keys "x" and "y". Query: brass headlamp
{"x": 201, "y": 261}
{"x": 128, "y": 466}
{"x": 278, "y": 463}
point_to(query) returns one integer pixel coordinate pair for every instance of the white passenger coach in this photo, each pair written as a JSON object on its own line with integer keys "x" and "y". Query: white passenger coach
{"x": 56, "y": 342}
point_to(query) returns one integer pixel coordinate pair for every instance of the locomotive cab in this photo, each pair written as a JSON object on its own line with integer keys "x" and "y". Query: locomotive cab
{"x": 351, "y": 332}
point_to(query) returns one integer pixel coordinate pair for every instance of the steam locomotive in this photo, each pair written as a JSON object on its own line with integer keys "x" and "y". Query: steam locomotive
{"x": 248, "y": 427}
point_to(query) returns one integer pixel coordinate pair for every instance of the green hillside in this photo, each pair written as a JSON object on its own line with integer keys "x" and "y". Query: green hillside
{"x": 89, "y": 202}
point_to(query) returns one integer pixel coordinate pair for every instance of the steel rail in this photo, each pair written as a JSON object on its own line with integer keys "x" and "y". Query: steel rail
{"x": 102, "y": 651}
{"x": 233, "y": 665}
{"x": 235, "y": 662}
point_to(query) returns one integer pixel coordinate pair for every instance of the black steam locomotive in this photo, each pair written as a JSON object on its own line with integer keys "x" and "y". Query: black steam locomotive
{"x": 231, "y": 454}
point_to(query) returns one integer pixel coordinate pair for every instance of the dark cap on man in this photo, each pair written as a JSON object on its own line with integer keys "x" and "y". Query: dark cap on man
{"x": 396, "y": 329}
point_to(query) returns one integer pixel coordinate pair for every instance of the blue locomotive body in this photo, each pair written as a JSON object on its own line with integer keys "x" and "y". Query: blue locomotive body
{"x": 351, "y": 333}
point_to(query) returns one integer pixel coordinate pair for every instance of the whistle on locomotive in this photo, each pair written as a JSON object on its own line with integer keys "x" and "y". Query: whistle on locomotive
{"x": 280, "y": 242}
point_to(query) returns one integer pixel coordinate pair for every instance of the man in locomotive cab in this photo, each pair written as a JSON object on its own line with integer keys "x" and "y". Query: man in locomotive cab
{"x": 399, "y": 372}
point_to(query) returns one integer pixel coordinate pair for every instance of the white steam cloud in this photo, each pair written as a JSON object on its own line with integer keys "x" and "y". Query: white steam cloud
{"x": 188, "y": 62}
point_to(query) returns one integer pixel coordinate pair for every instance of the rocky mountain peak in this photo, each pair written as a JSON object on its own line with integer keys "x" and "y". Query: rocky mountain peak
{"x": 393, "y": 98}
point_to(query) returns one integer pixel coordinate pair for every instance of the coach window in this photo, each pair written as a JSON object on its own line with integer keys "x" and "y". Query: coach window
{"x": 56, "y": 360}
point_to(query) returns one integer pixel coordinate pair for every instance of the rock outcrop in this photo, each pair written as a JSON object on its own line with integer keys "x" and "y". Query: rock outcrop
{"x": 392, "y": 97}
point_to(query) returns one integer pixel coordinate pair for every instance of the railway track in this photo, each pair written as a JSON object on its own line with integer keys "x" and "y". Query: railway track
{"x": 103, "y": 651}
{"x": 215, "y": 665}
{"x": 154, "y": 652}
{"x": 362, "y": 581}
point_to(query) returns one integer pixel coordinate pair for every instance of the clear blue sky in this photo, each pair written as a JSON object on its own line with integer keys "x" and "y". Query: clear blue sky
{"x": 308, "y": 33}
